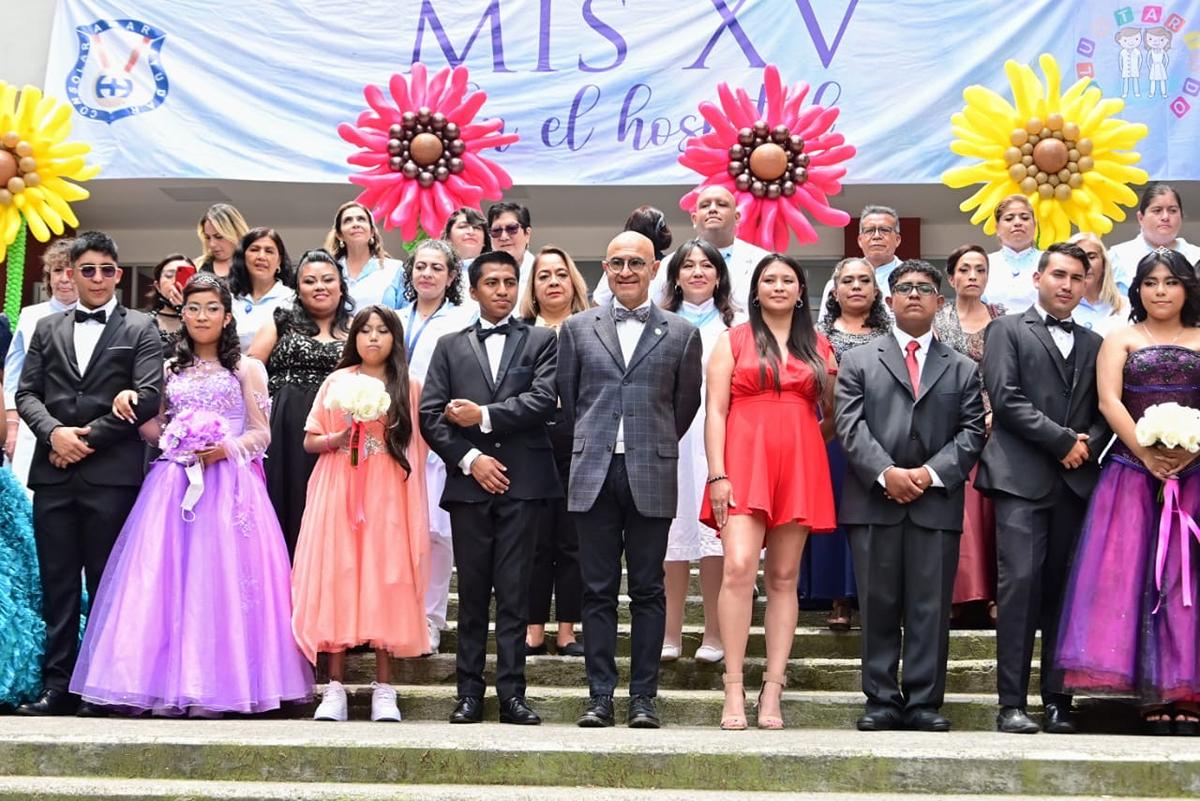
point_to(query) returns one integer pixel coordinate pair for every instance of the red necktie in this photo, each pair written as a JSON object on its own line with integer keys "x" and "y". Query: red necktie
{"x": 914, "y": 369}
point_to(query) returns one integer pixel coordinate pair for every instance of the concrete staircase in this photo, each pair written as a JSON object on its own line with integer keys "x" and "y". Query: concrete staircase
{"x": 819, "y": 756}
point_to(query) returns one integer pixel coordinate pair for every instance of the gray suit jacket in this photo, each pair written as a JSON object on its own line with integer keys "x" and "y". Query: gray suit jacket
{"x": 881, "y": 425}
{"x": 658, "y": 394}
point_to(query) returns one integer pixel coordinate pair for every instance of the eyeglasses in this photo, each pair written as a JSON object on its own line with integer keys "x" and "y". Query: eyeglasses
{"x": 923, "y": 289}
{"x": 89, "y": 270}
{"x": 194, "y": 310}
{"x": 882, "y": 230}
{"x": 618, "y": 265}
{"x": 512, "y": 229}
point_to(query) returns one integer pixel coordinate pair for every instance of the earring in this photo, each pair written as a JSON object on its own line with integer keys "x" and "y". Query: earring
{"x": 800, "y": 303}
{"x": 755, "y": 303}
{"x": 678, "y": 289}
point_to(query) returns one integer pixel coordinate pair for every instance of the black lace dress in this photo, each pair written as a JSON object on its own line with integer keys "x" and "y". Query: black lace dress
{"x": 295, "y": 369}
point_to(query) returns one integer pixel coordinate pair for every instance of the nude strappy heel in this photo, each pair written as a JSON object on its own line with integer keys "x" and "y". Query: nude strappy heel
{"x": 771, "y": 721}
{"x": 734, "y": 722}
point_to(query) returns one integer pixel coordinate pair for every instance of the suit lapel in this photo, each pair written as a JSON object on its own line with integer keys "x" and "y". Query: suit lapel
{"x": 1084, "y": 354}
{"x": 936, "y": 362}
{"x": 1040, "y": 332}
{"x": 606, "y": 329}
{"x": 893, "y": 360}
{"x": 113, "y": 322}
{"x": 65, "y": 331}
{"x": 512, "y": 346}
{"x": 481, "y": 357}
{"x": 653, "y": 332}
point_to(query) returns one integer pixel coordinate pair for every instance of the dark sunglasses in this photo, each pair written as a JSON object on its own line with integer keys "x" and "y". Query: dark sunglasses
{"x": 512, "y": 229}
{"x": 89, "y": 270}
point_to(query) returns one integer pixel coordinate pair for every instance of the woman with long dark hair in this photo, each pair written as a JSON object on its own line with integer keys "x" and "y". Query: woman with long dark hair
{"x": 166, "y": 299}
{"x": 1128, "y": 624}
{"x": 301, "y": 346}
{"x": 768, "y": 475}
{"x": 260, "y": 280}
{"x": 193, "y": 615}
{"x": 698, "y": 290}
{"x": 362, "y": 558}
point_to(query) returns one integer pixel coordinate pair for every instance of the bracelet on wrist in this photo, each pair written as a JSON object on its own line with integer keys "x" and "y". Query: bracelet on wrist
{"x": 715, "y": 479}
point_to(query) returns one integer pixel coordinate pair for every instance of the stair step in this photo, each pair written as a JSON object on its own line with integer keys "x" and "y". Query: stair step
{"x": 693, "y": 582}
{"x": 693, "y": 612}
{"x": 797, "y": 760}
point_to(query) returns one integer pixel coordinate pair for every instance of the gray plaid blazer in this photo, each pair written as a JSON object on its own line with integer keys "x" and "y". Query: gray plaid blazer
{"x": 658, "y": 393}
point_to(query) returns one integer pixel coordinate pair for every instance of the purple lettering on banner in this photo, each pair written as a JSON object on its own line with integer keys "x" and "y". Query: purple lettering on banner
{"x": 729, "y": 21}
{"x": 624, "y": 125}
{"x": 490, "y": 15}
{"x": 1191, "y": 86}
{"x": 1174, "y": 23}
{"x": 819, "y": 98}
{"x": 690, "y": 125}
{"x": 544, "y": 39}
{"x": 1180, "y": 107}
{"x": 609, "y": 33}
{"x": 825, "y": 51}
{"x": 589, "y": 94}
{"x": 1152, "y": 14}
{"x": 1086, "y": 48}
{"x": 1123, "y": 16}
{"x": 1085, "y": 69}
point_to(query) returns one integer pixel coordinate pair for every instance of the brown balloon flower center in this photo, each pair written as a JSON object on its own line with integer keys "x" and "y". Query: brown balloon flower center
{"x": 768, "y": 162}
{"x": 426, "y": 146}
{"x": 1049, "y": 157}
{"x": 18, "y": 167}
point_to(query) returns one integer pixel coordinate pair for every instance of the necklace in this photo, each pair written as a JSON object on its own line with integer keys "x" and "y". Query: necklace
{"x": 1153, "y": 341}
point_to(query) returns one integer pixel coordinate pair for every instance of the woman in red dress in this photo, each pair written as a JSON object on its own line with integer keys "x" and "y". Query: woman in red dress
{"x": 768, "y": 473}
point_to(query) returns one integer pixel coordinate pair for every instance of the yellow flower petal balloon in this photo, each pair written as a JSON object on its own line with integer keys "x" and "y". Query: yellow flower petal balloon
{"x": 38, "y": 165}
{"x": 1065, "y": 151}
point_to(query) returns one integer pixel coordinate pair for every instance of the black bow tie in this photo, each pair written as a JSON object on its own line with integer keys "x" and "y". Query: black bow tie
{"x": 484, "y": 333}
{"x": 82, "y": 317}
{"x": 621, "y": 314}
{"x": 1067, "y": 325}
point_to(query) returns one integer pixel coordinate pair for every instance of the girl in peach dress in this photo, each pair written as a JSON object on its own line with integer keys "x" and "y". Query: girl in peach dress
{"x": 361, "y": 559}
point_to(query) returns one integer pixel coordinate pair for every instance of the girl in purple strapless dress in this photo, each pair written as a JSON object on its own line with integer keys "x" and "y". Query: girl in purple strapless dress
{"x": 1130, "y": 625}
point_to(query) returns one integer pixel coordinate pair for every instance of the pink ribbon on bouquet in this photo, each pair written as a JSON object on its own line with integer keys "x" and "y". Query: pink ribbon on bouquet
{"x": 1172, "y": 509}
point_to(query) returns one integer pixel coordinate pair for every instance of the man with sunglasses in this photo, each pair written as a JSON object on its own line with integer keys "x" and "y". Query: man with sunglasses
{"x": 88, "y": 464}
{"x": 511, "y": 230}
{"x": 910, "y": 415}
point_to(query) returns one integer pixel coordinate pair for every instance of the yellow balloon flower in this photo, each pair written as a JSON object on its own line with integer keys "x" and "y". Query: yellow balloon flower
{"x": 36, "y": 162}
{"x": 1064, "y": 151}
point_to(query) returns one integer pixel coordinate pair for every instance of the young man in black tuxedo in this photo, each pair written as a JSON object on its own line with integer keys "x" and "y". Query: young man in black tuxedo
{"x": 1039, "y": 467}
{"x": 489, "y": 393}
{"x": 88, "y": 464}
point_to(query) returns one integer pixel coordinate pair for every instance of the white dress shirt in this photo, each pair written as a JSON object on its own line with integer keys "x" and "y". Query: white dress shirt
{"x": 923, "y": 341}
{"x": 740, "y": 258}
{"x": 250, "y": 314}
{"x": 87, "y": 335}
{"x": 494, "y": 347}
{"x": 1010, "y": 278}
{"x": 1062, "y": 340}
{"x": 14, "y": 360}
{"x": 1124, "y": 258}
{"x": 375, "y": 284}
{"x": 882, "y": 273}
{"x": 628, "y": 333}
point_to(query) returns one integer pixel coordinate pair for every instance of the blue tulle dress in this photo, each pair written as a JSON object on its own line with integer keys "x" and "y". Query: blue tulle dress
{"x": 22, "y": 630}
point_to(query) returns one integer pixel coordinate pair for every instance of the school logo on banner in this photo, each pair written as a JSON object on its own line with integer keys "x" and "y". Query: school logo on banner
{"x": 119, "y": 72}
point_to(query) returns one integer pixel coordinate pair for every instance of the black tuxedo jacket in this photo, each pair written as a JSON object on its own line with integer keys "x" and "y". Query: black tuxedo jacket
{"x": 880, "y": 425}
{"x": 52, "y": 393}
{"x": 1037, "y": 409}
{"x": 521, "y": 401}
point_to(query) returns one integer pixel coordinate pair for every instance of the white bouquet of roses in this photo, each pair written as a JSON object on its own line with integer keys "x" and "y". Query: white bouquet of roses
{"x": 362, "y": 399}
{"x": 1170, "y": 425}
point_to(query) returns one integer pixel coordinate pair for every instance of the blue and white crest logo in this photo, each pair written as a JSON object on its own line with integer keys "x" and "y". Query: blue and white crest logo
{"x": 118, "y": 73}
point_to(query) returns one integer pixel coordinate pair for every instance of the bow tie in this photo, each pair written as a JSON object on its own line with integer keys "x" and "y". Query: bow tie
{"x": 621, "y": 314}
{"x": 1067, "y": 325}
{"x": 484, "y": 333}
{"x": 82, "y": 317}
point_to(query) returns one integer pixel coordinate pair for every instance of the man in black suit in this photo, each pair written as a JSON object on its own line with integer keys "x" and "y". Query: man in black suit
{"x": 488, "y": 396}
{"x": 88, "y": 464}
{"x": 1039, "y": 467}
{"x": 629, "y": 380}
{"x": 910, "y": 414}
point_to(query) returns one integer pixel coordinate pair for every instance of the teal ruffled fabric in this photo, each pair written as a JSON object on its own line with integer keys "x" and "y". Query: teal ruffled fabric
{"x": 22, "y": 630}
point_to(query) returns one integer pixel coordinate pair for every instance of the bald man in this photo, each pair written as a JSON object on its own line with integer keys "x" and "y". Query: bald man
{"x": 715, "y": 220}
{"x": 629, "y": 382}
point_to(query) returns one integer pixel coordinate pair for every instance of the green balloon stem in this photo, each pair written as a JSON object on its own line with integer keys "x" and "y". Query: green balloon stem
{"x": 15, "y": 263}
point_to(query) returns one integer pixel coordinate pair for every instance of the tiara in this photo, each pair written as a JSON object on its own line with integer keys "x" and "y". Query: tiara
{"x": 1162, "y": 251}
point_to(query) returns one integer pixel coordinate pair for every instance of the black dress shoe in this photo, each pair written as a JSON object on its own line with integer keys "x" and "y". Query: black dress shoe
{"x": 642, "y": 714}
{"x": 52, "y": 702}
{"x": 536, "y": 650}
{"x": 87, "y": 710}
{"x": 925, "y": 719}
{"x": 879, "y": 720}
{"x": 1013, "y": 720}
{"x": 469, "y": 710}
{"x": 1057, "y": 719}
{"x": 516, "y": 711}
{"x": 599, "y": 713}
{"x": 571, "y": 649}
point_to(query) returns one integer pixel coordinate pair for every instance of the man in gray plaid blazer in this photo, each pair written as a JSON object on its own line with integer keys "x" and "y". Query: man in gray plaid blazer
{"x": 629, "y": 382}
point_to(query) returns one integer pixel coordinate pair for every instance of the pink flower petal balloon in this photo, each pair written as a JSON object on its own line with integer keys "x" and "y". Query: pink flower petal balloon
{"x": 780, "y": 165}
{"x": 419, "y": 145}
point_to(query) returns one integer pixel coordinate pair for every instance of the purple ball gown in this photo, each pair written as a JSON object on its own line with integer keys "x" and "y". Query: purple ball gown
{"x": 197, "y": 616}
{"x": 1112, "y": 640}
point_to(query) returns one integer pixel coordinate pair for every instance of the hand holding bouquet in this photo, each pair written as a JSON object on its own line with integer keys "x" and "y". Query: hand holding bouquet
{"x": 1171, "y": 432}
{"x": 362, "y": 399}
{"x": 191, "y": 433}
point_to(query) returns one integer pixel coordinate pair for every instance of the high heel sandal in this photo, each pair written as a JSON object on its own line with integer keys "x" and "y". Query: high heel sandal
{"x": 1157, "y": 721}
{"x": 734, "y": 722}
{"x": 1185, "y": 722}
{"x": 771, "y": 721}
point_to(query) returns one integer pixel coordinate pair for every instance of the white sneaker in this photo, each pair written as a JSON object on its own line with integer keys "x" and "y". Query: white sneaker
{"x": 333, "y": 703}
{"x": 435, "y": 636}
{"x": 670, "y": 653}
{"x": 709, "y": 655}
{"x": 383, "y": 703}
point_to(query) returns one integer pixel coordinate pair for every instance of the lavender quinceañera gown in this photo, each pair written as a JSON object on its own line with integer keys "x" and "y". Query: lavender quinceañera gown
{"x": 1121, "y": 633}
{"x": 194, "y": 611}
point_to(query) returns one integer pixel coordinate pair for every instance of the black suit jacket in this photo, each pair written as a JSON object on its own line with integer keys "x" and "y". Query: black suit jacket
{"x": 1037, "y": 409}
{"x": 520, "y": 403}
{"x": 52, "y": 393}
{"x": 881, "y": 425}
